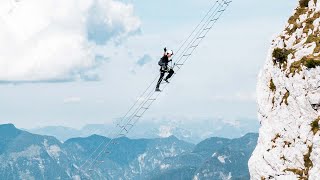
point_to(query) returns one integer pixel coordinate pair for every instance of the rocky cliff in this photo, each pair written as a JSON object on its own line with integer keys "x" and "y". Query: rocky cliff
{"x": 288, "y": 93}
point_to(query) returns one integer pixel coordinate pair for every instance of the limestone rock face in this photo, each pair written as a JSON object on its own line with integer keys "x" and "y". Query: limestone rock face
{"x": 288, "y": 95}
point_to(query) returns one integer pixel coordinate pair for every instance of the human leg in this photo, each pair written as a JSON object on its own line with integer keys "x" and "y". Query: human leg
{"x": 160, "y": 79}
{"x": 171, "y": 72}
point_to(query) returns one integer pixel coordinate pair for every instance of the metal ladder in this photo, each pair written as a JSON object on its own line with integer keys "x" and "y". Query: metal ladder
{"x": 149, "y": 96}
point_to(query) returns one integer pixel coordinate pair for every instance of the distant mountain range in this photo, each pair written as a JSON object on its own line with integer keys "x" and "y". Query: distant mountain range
{"x": 29, "y": 156}
{"x": 190, "y": 131}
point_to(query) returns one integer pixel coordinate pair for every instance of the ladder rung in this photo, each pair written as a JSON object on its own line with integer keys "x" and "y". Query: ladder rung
{"x": 145, "y": 108}
{"x": 137, "y": 116}
{"x": 214, "y": 19}
{"x": 187, "y": 55}
{"x": 179, "y": 64}
{"x": 124, "y": 128}
{"x": 201, "y": 37}
{"x": 221, "y": 10}
{"x": 194, "y": 46}
{"x": 121, "y": 126}
{"x": 206, "y": 28}
{"x": 122, "y": 135}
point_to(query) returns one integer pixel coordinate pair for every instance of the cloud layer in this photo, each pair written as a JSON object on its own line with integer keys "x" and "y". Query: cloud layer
{"x": 54, "y": 40}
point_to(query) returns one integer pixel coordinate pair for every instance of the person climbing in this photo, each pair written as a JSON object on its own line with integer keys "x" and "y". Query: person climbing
{"x": 164, "y": 67}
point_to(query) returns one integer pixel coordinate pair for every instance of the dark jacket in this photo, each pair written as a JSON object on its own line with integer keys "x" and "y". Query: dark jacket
{"x": 164, "y": 61}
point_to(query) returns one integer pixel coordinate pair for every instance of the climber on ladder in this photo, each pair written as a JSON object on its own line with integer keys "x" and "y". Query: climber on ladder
{"x": 164, "y": 67}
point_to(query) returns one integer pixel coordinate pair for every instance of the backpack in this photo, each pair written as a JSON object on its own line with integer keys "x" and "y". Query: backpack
{"x": 161, "y": 63}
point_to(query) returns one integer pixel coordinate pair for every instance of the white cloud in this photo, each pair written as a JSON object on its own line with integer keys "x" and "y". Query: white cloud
{"x": 242, "y": 96}
{"x": 234, "y": 123}
{"x": 239, "y": 96}
{"x": 71, "y": 100}
{"x": 54, "y": 40}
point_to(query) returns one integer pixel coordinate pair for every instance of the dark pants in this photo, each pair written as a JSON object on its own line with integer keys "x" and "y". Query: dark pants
{"x": 163, "y": 70}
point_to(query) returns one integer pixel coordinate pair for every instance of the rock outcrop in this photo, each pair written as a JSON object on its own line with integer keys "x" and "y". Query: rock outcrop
{"x": 289, "y": 101}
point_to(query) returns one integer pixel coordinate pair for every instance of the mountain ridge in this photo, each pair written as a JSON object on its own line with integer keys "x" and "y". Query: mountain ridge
{"x": 45, "y": 157}
{"x": 193, "y": 132}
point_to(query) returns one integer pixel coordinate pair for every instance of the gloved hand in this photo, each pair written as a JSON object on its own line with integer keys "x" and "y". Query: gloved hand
{"x": 165, "y": 49}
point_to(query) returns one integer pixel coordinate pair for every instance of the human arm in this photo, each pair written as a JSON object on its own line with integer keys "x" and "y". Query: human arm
{"x": 165, "y": 50}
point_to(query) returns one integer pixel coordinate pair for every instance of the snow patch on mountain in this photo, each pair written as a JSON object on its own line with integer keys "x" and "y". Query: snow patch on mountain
{"x": 26, "y": 175}
{"x": 164, "y": 166}
{"x": 226, "y": 177}
{"x": 52, "y": 150}
{"x": 165, "y": 131}
{"x": 32, "y": 152}
{"x": 221, "y": 159}
{"x": 141, "y": 159}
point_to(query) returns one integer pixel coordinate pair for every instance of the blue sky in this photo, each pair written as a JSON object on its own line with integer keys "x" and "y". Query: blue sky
{"x": 218, "y": 82}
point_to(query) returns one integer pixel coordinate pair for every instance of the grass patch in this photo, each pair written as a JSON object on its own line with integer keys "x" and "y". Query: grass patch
{"x": 307, "y": 161}
{"x": 314, "y": 38}
{"x": 275, "y": 138}
{"x": 281, "y": 56}
{"x": 303, "y": 173}
{"x": 299, "y": 11}
{"x": 298, "y": 172}
{"x": 272, "y": 87}
{"x": 294, "y": 22}
{"x": 297, "y": 66}
{"x": 287, "y": 143}
{"x": 307, "y": 61}
{"x": 309, "y": 25}
{"x": 309, "y": 21}
{"x": 283, "y": 158}
{"x": 293, "y": 29}
{"x": 304, "y": 3}
{"x": 312, "y": 63}
{"x": 273, "y": 101}
{"x": 315, "y": 126}
{"x": 285, "y": 98}
{"x": 302, "y": 9}
{"x": 311, "y": 38}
